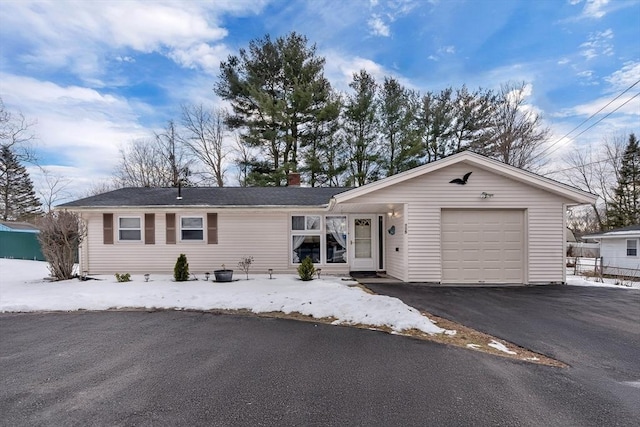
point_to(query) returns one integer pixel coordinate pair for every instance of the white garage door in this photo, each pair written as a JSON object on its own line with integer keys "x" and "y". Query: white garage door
{"x": 482, "y": 246}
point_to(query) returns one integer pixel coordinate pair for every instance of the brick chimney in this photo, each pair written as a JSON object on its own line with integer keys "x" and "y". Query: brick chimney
{"x": 293, "y": 179}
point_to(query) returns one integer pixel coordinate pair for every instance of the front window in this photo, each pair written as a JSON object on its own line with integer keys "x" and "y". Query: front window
{"x": 191, "y": 228}
{"x": 632, "y": 247}
{"x": 129, "y": 229}
{"x": 306, "y": 239}
{"x": 336, "y": 238}
{"x": 305, "y": 246}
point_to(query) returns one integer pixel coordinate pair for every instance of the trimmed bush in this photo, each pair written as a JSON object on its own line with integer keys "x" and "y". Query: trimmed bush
{"x": 181, "y": 270}
{"x": 306, "y": 270}
{"x": 126, "y": 277}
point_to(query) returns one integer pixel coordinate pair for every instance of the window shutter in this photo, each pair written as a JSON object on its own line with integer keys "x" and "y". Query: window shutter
{"x": 149, "y": 229}
{"x": 212, "y": 228}
{"x": 107, "y": 229}
{"x": 171, "y": 228}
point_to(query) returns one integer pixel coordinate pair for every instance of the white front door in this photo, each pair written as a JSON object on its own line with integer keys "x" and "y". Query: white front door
{"x": 363, "y": 243}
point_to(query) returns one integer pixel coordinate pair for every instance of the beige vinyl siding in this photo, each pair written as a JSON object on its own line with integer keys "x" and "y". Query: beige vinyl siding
{"x": 425, "y": 196}
{"x": 262, "y": 235}
{"x": 396, "y": 248}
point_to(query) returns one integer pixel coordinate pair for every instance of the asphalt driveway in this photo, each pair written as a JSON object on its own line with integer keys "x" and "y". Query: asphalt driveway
{"x": 182, "y": 368}
{"x": 594, "y": 330}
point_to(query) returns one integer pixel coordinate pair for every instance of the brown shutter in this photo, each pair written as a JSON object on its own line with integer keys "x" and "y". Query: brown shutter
{"x": 107, "y": 229}
{"x": 171, "y": 228}
{"x": 149, "y": 229}
{"x": 212, "y": 228}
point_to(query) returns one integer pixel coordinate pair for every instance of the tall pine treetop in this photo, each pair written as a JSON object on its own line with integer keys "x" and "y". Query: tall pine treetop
{"x": 18, "y": 201}
{"x": 625, "y": 207}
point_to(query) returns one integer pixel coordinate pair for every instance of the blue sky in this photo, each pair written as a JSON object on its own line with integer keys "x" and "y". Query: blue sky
{"x": 98, "y": 74}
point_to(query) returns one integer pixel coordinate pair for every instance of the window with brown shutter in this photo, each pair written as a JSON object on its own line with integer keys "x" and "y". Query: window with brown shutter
{"x": 171, "y": 228}
{"x": 107, "y": 229}
{"x": 149, "y": 229}
{"x": 212, "y": 228}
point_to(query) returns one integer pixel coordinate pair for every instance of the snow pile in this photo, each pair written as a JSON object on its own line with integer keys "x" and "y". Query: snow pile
{"x": 23, "y": 288}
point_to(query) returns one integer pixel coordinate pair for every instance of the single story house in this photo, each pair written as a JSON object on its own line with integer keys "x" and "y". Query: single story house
{"x": 19, "y": 240}
{"x": 463, "y": 219}
{"x": 620, "y": 251}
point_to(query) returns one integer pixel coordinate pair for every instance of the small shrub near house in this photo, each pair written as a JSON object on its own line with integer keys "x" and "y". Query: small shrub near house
{"x": 306, "y": 270}
{"x": 245, "y": 264}
{"x": 181, "y": 270}
{"x": 125, "y": 277}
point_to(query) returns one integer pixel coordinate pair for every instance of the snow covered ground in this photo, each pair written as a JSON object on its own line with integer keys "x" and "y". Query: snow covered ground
{"x": 23, "y": 288}
{"x": 606, "y": 282}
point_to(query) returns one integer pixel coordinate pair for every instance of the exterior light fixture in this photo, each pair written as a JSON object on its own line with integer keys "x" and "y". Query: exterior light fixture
{"x": 146, "y": 277}
{"x": 270, "y": 273}
{"x": 206, "y": 276}
{"x": 485, "y": 195}
{"x": 318, "y": 270}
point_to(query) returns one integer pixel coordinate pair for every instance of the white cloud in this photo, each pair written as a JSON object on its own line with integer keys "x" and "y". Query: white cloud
{"x": 77, "y": 35}
{"x": 598, "y": 43}
{"x": 625, "y": 77}
{"x": 594, "y": 8}
{"x": 378, "y": 27}
{"x": 75, "y": 125}
{"x": 202, "y": 56}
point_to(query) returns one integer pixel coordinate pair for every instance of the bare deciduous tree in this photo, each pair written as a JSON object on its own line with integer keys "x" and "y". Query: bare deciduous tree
{"x": 157, "y": 162}
{"x": 206, "y": 131}
{"x": 16, "y": 134}
{"x": 53, "y": 188}
{"x": 61, "y": 233}
{"x": 596, "y": 172}
{"x": 518, "y": 134}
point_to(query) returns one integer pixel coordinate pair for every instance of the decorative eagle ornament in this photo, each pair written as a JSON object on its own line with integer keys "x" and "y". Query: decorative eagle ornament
{"x": 462, "y": 181}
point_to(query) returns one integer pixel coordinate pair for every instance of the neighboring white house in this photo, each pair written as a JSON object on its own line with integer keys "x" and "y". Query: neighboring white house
{"x": 620, "y": 251}
{"x": 429, "y": 224}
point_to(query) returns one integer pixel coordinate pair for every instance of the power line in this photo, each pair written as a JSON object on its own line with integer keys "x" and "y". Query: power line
{"x": 607, "y": 115}
{"x": 590, "y": 117}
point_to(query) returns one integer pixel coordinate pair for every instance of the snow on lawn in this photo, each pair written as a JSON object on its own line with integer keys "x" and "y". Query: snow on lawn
{"x": 606, "y": 283}
{"x": 23, "y": 288}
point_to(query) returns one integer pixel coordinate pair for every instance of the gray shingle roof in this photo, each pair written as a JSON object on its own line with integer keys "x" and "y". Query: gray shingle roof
{"x": 211, "y": 196}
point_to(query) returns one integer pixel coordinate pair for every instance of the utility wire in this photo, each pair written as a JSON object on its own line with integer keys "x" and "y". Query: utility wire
{"x": 542, "y": 153}
{"x": 607, "y": 115}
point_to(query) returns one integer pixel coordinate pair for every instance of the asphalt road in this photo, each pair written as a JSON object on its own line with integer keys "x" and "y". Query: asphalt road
{"x": 184, "y": 368}
{"x": 595, "y": 330}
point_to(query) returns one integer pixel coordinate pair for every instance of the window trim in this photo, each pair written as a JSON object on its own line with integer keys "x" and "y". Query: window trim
{"x": 635, "y": 248}
{"x": 307, "y": 230}
{"x": 140, "y": 228}
{"x": 321, "y": 232}
{"x": 202, "y": 229}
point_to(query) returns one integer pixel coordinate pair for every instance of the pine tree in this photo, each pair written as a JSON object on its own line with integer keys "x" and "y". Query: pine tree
{"x": 18, "y": 201}
{"x": 361, "y": 129}
{"x": 276, "y": 90}
{"x": 624, "y": 210}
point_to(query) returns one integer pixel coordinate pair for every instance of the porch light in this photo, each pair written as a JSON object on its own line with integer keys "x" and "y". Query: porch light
{"x": 206, "y": 276}
{"x": 270, "y": 273}
{"x": 485, "y": 195}
{"x": 318, "y": 270}
{"x": 146, "y": 277}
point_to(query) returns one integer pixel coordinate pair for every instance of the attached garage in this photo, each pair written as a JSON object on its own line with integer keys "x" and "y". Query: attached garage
{"x": 483, "y": 246}
{"x": 469, "y": 219}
